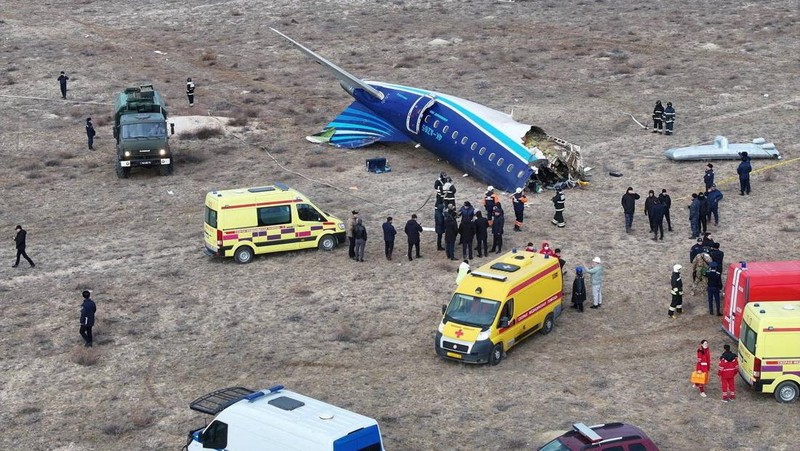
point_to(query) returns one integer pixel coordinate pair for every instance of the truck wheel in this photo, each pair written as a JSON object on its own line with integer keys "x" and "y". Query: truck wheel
{"x": 243, "y": 255}
{"x": 547, "y": 327}
{"x": 122, "y": 173}
{"x": 327, "y": 243}
{"x": 787, "y": 391}
{"x": 165, "y": 169}
{"x": 497, "y": 354}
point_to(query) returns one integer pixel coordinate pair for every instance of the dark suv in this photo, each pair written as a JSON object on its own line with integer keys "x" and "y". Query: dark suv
{"x": 604, "y": 437}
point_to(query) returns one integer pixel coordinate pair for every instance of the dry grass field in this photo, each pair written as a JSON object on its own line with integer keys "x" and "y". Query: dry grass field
{"x": 173, "y": 324}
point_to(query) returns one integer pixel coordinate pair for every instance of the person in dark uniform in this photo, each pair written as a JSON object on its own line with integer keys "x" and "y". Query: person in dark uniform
{"x": 438, "y": 225}
{"x": 19, "y": 240}
{"x": 438, "y": 188}
{"x": 669, "y": 118}
{"x": 703, "y": 218}
{"x": 658, "y": 112}
{"x": 708, "y": 177}
{"x": 90, "y": 132}
{"x": 578, "y": 290}
{"x": 351, "y": 224}
{"x": 717, "y": 256}
{"x": 648, "y": 204}
{"x": 714, "y": 286}
{"x": 88, "y": 309}
{"x": 450, "y": 233}
{"x": 666, "y": 201}
{"x": 629, "y": 207}
{"x": 694, "y": 216}
{"x": 518, "y": 201}
{"x": 412, "y": 230}
{"x": 190, "y": 91}
{"x": 558, "y": 203}
{"x": 657, "y": 220}
{"x": 497, "y": 230}
{"x": 481, "y": 234}
{"x": 697, "y": 248}
{"x": 389, "y": 233}
{"x": 714, "y": 196}
{"x": 467, "y": 232}
{"x": 62, "y": 81}
{"x": 744, "y": 170}
{"x": 360, "y": 237}
{"x": 677, "y": 292}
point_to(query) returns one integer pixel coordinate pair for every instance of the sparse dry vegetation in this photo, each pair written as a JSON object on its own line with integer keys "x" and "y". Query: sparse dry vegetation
{"x": 176, "y": 325}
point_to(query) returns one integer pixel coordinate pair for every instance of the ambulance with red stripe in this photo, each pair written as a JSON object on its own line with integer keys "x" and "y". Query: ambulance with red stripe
{"x": 497, "y": 306}
{"x": 769, "y": 348}
{"x": 241, "y": 223}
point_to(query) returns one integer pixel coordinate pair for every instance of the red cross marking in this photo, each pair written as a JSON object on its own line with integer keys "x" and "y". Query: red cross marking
{"x": 459, "y": 333}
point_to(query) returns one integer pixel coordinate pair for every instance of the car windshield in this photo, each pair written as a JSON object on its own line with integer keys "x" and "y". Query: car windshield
{"x": 555, "y": 445}
{"x": 144, "y": 130}
{"x": 471, "y": 310}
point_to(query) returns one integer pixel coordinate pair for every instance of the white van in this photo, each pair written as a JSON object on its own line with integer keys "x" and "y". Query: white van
{"x": 279, "y": 420}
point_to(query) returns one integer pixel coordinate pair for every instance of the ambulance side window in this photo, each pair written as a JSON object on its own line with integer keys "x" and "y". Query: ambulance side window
{"x": 267, "y": 216}
{"x": 508, "y": 310}
{"x": 308, "y": 213}
{"x": 215, "y": 436}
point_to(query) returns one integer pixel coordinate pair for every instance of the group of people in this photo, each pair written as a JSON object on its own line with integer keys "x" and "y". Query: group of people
{"x": 707, "y": 261}
{"x": 663, "y": 118}
{"x": 728, "y": 367}
{"x": 656, "y": 209}
{"x": 579, "y": 285}
{"x": 357, "y": 236}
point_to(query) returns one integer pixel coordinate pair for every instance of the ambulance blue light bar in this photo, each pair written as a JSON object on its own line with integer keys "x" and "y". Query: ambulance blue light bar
{"x": 255, "y": 395}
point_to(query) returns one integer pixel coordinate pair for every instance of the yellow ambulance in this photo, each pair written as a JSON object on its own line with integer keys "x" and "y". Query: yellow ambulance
{"x": 769, "y": 348}
{"x": 241, "y": 223}
{"x": 499, "y": 305}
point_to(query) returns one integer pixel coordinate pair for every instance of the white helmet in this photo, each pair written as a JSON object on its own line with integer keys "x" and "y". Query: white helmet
{"x": 490, "y": 188}
{"x": 676, "y": 268}
{"x": 519, "y": 190}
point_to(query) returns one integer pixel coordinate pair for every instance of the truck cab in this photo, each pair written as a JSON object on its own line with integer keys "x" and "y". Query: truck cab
{"x": 140, "y": 129}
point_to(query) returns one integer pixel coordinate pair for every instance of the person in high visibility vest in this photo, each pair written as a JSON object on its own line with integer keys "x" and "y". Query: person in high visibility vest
{"x": 518, "y": 201}
{"x": 658, "y": 111}
{"x": 669, "y": 118}
{"x": 677, "y": 291}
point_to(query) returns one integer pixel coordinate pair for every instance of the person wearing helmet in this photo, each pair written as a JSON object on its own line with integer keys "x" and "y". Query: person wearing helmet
{"x": 518, "y": 201}
{"x": 578, "y": 290}
{"x": 490, "y": 199}
{"x": 669, "y": 118}
{"x": 438, "y": 188}
{"x": 714, "y": 286}
{"x": 597, "y": 282}
{"x": 558, "y": 204}
{"x": 658, "y": 112}
{"x": 677, "y": 292}
{"x": 190, "y": 91}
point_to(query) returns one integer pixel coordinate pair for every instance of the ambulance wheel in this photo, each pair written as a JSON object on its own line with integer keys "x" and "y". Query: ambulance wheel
{"x": 243, "y": 255}
{"x": 122, "y": 173}
{"x": 547, "y": 327}
{"x": 787, "y": 391}
{"x": 497, "y": 354}
{"x": 327, "y": 243}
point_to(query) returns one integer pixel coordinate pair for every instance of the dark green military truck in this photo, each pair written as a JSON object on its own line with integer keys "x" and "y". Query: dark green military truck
{"x": 140, "y": 128}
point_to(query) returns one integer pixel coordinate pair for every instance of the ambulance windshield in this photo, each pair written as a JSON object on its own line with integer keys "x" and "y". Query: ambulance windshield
{"x": 471, "y": 311}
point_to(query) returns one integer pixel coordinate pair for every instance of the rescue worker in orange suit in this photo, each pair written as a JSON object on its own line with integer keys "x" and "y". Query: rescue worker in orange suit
{"x": 490, "y": 199}
{"x": 728, "y": 368}
{"x": 703, "y": 364}
{"x": 518, "y": 201}
{"x": 658, "y": 111}
{"x": 677, "y": 291}
{"x": 669, "y": 118}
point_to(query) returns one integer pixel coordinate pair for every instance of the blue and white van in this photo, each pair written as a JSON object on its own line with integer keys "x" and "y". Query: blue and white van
{"x": 278, "y": 419}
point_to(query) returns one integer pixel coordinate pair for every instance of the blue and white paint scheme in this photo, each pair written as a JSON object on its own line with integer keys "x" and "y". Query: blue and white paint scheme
{"x": 478, "y": 140}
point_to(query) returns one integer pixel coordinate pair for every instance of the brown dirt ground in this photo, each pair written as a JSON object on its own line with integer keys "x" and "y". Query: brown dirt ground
{"x": 173, "y": 324}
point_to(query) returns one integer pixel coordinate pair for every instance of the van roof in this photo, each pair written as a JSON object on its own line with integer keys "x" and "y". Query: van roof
{"x": 240, "y": 197}
{"x": 508, "y": 270}
{"x": 300, "y": 420}
{"x": 767, "y": 270}
{"x": 776, "y": 311}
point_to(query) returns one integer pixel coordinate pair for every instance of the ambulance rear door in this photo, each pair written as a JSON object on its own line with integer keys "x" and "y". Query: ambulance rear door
{"x": 735, "y": 300}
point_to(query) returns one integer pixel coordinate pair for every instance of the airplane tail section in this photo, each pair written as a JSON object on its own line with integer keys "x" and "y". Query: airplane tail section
{"x": 348, "y": 81}
{"x": 357, "y": 126}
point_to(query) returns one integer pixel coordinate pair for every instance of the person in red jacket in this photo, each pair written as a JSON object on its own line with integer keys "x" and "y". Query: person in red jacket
{"x": 728, "y": 367}
{"x": 703, "y": 364}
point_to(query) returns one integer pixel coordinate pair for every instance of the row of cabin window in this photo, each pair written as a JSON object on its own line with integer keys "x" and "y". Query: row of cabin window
{"x": 474, "y": 145}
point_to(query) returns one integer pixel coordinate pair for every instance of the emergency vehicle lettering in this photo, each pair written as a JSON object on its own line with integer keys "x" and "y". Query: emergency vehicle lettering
{"x": 261, "y": 204}
{"x": 532, "y": 311}
{"x": 230, "y": 237}
{"x": 782, "y": 362}
{"x": 533, "y": 279}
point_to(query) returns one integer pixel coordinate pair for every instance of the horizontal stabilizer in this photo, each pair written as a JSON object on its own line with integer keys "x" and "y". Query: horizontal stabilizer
{"x": 357, "y": 126}
{"x": 347, "y": 80}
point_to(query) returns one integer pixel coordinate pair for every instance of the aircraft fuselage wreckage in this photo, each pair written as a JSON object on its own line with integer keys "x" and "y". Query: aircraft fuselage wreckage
{"x": 478, "y": 140}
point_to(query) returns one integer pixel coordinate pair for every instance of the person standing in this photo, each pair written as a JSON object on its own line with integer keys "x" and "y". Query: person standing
{"x": 467, "y": 211}
{"x": 360, "y": 236}
{"x": 597, "y": 282}
{"x": 481, "y": 234}
{"x": 694, "y": 216}
{"x": 449, "y": 193}
{"x": 412, "y": 230}
{"x": 90, "y": 132}
{"x": 703, "y": 364}
{"x": 677, "y": 292}
{"x": 497, "y": 230}
{"x": 658, "y": 113}
{"x": 708, "y": 177}
{"x": 728, "y": 368}
{"x": 450, "y": 233}
{"x": 744, "y": 170}
{"x": 648, "y": 204}
{"x": 389, "y": 233}
{"x": 629, "y": 207}
{"x": 62, "y": 82}
{"x": 578, "y": 290}
{"x": 463, "y": 270}
{"x": 714, "y": 286}
{"x": 714, "y": 196}
{"x": 702, "y": 216}
{"x": 657, "y": 220}
{"x": 666, "y": 201}
{"x": 717, "y": 256}
{"x": 438, "y": 188}
{"x": 351, "y": 224}
{"x": 490, "y": 199}
{"x": 438, "y": 223}
{"x": 88, "y": 308}
{"x": 190, "y": 91}
{"x": 669, "y": 118}
{"x": 518, "y": 201}
{"x": 558, "y": 203}
{"x": 467, "y": 232}
{"x": 19, "y": 240}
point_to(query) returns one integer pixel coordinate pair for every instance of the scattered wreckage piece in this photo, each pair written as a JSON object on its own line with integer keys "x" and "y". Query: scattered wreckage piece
{"x": 721, "y": 150}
